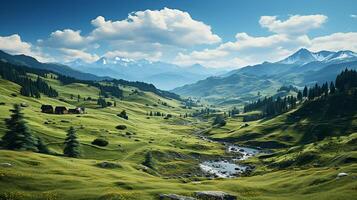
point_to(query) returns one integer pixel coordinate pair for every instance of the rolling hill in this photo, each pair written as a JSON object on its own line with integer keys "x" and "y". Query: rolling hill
{"x": 301, "y": 147}
{"x": 243, "y": 85}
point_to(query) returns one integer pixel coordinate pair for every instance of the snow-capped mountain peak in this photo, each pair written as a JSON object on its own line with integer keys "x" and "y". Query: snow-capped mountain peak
{"x": 343, "y": 55}
{"x": 304, "y": 56}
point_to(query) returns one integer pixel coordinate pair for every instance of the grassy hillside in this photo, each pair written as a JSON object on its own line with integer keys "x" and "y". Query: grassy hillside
{"x": 312, "y": 162}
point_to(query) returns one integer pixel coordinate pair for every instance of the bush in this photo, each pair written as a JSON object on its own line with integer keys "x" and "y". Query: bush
{"x": 121, "y": 127}
{"x": 123, "y": 115}
{"x": 100, "y": 142}
{"x": 219, "y": 120}
{"x": 148, "y": 162}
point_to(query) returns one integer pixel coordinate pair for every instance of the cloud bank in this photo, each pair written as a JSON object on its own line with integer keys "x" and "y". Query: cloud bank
{"x": 172, "y": 35}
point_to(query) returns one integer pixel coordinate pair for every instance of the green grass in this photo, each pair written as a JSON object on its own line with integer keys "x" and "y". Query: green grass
{"x": 38, "y": 176}
{"x": 175, "y": 148}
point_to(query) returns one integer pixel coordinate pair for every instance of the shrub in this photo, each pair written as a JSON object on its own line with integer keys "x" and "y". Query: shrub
{"x": 100, "y": 142}
{"x": 219, "y": 120}
{"x": 148, "y": 162}
{"x": 123, "y": 115}
{"x": 121, "y": 127}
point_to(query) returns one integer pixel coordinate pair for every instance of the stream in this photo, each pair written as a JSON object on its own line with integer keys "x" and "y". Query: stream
{"x": 228, "y": 167}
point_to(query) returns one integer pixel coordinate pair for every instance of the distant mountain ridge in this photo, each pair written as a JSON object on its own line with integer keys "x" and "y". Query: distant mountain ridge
{"x": 304, "y": 56}
{"x": 59, "y": 68}
{"x": 163, "y": 75}
{"x": 243, "y": 85}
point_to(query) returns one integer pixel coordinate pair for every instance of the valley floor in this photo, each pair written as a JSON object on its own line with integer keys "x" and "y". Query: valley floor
{"x": 176, "y": 151}
{"x": 38, "y": 176}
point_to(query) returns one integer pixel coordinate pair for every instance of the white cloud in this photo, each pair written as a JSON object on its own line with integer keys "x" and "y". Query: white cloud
{"x": 73, "y": 54}
{"x": 13, "y": 44}
{"x": 245, "y": 50}
{"x": 353, "y": 16}
{"x": 166, "y": 26}
{"x": 296, "y": 24}
{"x": 66, "y": 39}
{"x": 335, "y": 42}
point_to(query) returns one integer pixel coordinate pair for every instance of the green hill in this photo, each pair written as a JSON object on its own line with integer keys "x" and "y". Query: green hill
{"x": 299, "y": 151}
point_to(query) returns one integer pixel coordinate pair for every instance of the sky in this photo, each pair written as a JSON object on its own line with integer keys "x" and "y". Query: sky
{"x": 219, "y": 34}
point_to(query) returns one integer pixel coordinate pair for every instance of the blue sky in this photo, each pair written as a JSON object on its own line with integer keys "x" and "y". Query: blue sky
{"x": 211, "y": 33}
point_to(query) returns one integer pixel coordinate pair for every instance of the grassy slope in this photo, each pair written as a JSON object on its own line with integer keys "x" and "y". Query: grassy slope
{"x": 38, "y": 176}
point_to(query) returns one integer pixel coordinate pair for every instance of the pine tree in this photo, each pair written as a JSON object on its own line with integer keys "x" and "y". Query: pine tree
{"x": 304, "y": 93}
{"x": 332, "y": 88}
{"x": 299, "y": 96}
{"x": 18, "y": 136}
{"x": 148, "y": 162}
{"x": 71, "y": 148}
{"x": 42, "y": 148}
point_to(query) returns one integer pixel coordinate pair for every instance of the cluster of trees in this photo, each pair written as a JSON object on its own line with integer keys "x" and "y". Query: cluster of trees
{"x": 316, "y": 91}
{"x": 345, "y": 81}
{"x": 203, "y": 111}
{"x": 19, "y": 137}
{"x": 30, "y": 88}
{"x": 270, "y": 106}
{"x": 233, "y": 112}
{"x": 103, "y": 103}
{"x": 219, "y": 121}
{"x": 288, "y": 88}
{"x": 109, "y": 89}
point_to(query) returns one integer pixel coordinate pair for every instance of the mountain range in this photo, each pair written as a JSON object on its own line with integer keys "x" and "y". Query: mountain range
{"x": 252, "y": 82}
{"x": 55, "y": 67}
{"x": 163, "y": 75}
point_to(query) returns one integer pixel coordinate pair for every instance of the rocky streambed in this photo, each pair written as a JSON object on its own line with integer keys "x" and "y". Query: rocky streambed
{"x": 229, "y": 167}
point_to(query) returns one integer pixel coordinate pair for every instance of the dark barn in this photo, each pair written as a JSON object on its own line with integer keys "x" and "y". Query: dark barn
{"x": 46, "y": 109}
{"x": 60, "y": 110}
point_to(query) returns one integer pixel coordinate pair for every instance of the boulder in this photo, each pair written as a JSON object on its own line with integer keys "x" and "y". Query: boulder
{"x": 174, "y": 197}
{"x": 108, "y": 165}
{"x": 214, "y": 195}
{"x": 6, "y": 164}
{"x": 342, "y": 174}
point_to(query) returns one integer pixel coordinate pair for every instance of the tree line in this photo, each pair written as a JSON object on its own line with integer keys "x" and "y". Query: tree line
{"x": 345, "y": 81}
{"x": 30, "y": 88}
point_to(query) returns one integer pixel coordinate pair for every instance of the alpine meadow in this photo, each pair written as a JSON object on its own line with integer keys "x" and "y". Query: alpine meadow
{"x": 178, "y": 100}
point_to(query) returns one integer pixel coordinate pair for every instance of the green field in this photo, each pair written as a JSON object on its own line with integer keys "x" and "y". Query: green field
{"x": 297, "y": 169}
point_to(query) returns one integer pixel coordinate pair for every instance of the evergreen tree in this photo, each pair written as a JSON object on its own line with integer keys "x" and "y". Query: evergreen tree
{"x": 304, "y": 93}
{"x": 18, "y": 136}
{"x": 101, "y": 101}
{"x": 42, "y": 148}
{"x": 148, "y": 162}
{"x": 71, "y": 148}
{"x": 332, "y": 88}
{"x": 299, "y": 96}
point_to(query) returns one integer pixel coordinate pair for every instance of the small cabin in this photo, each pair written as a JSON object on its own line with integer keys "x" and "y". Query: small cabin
{"x": 60, "y": 110}
{"x": 77, "y": 110}
{"x": 46, "y": 109}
